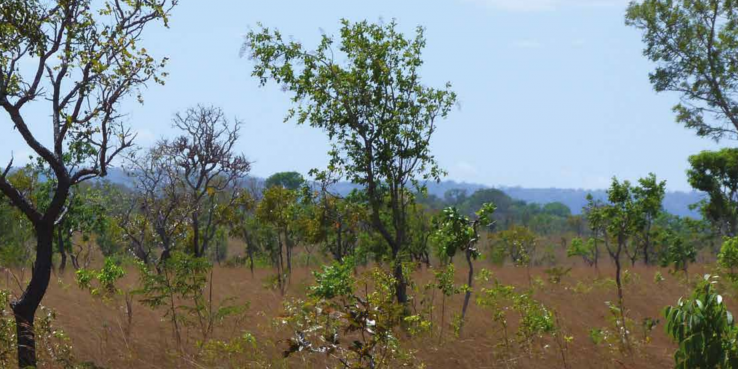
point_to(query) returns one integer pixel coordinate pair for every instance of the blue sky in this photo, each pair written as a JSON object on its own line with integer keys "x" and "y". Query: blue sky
{"x": 553, "y": 93}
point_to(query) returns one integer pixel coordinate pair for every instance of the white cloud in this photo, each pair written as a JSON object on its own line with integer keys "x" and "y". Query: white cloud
{"x": 545, "y": 5}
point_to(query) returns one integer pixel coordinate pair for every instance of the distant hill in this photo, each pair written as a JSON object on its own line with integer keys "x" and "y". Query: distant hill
{"x": 676, "y": 203}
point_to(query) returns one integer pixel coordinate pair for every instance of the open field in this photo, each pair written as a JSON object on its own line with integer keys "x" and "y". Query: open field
{"x": 97, "y": 328}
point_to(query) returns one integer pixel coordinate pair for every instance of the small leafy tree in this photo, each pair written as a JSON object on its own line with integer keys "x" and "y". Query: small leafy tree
{"x": 704, "y": 329}
{"x": 648, "y": 197}
{"x": 679, "y": 253}
{"x": 520, "y": 245}
{"x": 105, "y": 277}
{"x": 728, "y": 256}
{"x": 585, "y": 250}
{"x": 457, "y": 233}
{"x": 444, "y": 281}
{"x": 180, "y": 288}
{"x": 279, "y": 208}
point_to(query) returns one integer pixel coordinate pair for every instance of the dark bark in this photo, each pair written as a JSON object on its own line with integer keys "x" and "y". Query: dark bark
{"x": 25, "y": 308}
{"x": 62, "y": 249}
{"x": 467, "y": 295}
{"x": 401, "y": 288}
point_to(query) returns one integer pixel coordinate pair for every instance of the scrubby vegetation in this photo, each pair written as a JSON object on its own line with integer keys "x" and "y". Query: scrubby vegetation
{"x": 194, "y": 263}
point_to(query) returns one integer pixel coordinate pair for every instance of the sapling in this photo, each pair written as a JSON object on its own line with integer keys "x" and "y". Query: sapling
{"x": 728, "y": 256}
{"x": 678, "y": 255}
{"x": 704, "y": 329}
{"x": 458, "y": 232}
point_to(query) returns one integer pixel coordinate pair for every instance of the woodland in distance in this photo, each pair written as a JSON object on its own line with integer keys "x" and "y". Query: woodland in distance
{"x": 195, "y": 263}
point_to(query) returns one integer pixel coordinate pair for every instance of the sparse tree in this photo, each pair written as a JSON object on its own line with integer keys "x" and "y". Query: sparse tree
{"x": 159, "y": 206}
{"x": 85, "y": 61}
{"x": 456, "y": 232}
{"x": 209, "y": 170}
{"x": 374, "y": 108}
{"x": 649, "y": 196}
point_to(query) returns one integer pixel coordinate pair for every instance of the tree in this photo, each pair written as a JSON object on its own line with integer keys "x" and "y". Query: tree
{"x": 85, "y": 62}
{"x": 519, "y": 244}
{"x": 558, "y": 209}
{"x": 596, "y": 222}
{"x": 278, "y": 207}
{"x": 648, "y": 195}
{"x": 455, "y": 196}
{"x": 288, "y": 180}
{"x": 716, "y": 173}
{"x": 728, "y": 256}
{"x": 334, "y": 221}
{"x": 373, "y": 107}
{"x": 159, "y": 206}
{"x": 620, "y": 217}
{"x": 679, "y": 253}
{"x": 693, "y": 43}
{"x": 207, "y": 168}
{"x": 457, "y": 232}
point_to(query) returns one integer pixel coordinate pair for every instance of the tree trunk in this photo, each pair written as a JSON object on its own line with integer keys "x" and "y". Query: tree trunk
{"x": 24, "y": 308}
{"x": 196, "y": 236}
{"x": 469, "y": 282}
{"x": 401, "y": 289}
{"x": 62, "y": 249}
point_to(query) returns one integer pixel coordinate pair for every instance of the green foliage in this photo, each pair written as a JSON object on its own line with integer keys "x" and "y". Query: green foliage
{"x": 704, "y": 329}
{"x": 679, "y": 254}
{"x": 519, "y": 244}
{"x": 289, "y": 180}
{"x": 535, "y": 319}
{"x": 352, "y": 330}
{"x": 179, "y": 286}
{"x": 658, "y": 278}
{"x": 105, "y": 277}
{"x": 385, "y": 153}
{"x": 585, "y": 250}
{"x": 334, "y": 280}
{"x": 237, "y": 352}
{"x": 445, "y": 281}
{"x": 728, "y": 256}
{"x": 53, "y": 345}
{"x": 693, "y": 44}
{"x": 457, "y": 233}
{"x": 716, "y": 173}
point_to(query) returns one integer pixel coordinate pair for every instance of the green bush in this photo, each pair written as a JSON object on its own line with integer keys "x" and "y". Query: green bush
{"x": 704, "y": 329}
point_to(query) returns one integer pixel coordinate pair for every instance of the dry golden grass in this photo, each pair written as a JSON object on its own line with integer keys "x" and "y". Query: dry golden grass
{"x": 97, "y": 328}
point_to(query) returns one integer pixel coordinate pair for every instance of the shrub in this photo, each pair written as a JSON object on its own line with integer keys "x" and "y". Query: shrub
{"x": 728, "y": 256}
{"x": 704, "y": 329}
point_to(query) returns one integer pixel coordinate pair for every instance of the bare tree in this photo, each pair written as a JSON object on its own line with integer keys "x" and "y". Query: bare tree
{"x": 210, "y": 172}
{"x": 159, "y": 203}
{"x": 85, "y": 61}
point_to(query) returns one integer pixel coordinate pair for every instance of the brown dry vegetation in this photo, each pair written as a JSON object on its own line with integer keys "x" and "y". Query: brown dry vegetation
{"x": 97, "y": 328}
